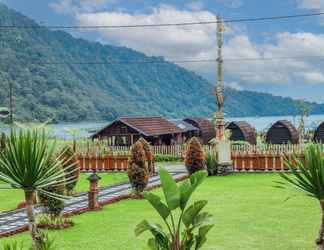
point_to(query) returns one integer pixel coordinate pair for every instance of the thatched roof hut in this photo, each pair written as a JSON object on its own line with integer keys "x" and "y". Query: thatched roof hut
{"x": 282, "y": 132}
{"x": 319, "y": 133}
{"x": 242, "y": 131}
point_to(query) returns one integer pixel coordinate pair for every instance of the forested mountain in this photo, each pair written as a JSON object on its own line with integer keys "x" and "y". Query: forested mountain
{"x": 31, "y": 59}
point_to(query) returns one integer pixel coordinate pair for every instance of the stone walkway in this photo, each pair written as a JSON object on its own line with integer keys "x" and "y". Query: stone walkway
{"x": 17, "y": 219}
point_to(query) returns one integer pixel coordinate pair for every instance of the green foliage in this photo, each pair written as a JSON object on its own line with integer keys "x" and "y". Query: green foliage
{"x": 186, "y": 231}
{"x": 49, "y": 222}
{"x": 48, "y": 243}
{"x": 12, "y": 245}
{"x": 167, "y": 158}
{"x": 211, "y": 162}
{"x": 27, "y": 163}
{"x": 195, "y": 159}
{"x": 105, "y": 91}
{"x": 71, "y": 168}
{"x": 308, "y": 176}
{"x": 137, "y": 168}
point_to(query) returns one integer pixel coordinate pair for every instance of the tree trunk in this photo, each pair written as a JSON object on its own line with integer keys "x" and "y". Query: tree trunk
{"x": 176, "y": 243}
{"x": 29, "y": 196}
{"x": 320, "y": 239}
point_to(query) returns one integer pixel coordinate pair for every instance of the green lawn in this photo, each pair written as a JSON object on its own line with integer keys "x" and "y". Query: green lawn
{"x": 248, "y": 212}
{"x": 9, "y": 198}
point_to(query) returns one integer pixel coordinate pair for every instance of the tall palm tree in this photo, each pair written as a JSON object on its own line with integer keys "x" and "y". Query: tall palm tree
{"x": 27, "y": 163}
{"x": 308, "y": 176}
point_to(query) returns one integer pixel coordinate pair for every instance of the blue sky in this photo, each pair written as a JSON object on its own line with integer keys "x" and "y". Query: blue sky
{"x": 301, "y": 78}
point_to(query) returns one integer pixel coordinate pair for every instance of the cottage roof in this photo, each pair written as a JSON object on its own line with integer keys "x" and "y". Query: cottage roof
{"x": 205, "y": 126}
{"x": 184, "y": 125}
{"x": 148, "y": 126}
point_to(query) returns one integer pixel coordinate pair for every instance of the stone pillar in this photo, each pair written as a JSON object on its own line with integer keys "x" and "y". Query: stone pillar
{"x": 93, "y": 202}
{"x": 225, "y": 165}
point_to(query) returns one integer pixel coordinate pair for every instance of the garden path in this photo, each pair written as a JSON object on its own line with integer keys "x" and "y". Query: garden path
{"x": 16, "y": 220}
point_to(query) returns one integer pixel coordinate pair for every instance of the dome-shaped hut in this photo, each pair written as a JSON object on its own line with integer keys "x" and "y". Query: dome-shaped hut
{"x": 205, "y": 126}
{"x": 282, "y": 132}
{"x": 242, "y": 131}
{"x": 319, "y": 133}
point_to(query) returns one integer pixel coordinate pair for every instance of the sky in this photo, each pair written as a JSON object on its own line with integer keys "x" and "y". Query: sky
{"x": 302, "y": 38}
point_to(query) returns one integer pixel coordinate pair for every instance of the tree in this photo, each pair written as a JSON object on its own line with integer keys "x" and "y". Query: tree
{"x": 308, "y": 176}
{"x": 195, "y": 223}
{"x": 137, "y": 168}
{"x": 195, "y": 159}
{"x": 148, "y": 154}
{"x": 27, "y": 163}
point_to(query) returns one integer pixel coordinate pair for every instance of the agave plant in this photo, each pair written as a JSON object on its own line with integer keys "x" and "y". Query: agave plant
{"x": 27, "y": 163}
{"x": 194, "y": 223}
{"x": 308, "y": 176}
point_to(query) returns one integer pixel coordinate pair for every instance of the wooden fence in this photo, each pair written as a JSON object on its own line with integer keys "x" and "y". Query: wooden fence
{"x": 104, "y": 163}
{"x": 248, "y": 158}
{"x": 102, "y": 147}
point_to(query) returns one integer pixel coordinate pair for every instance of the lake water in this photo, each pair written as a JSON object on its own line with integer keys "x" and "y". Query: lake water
{"x": 85, "y": 129}
{"x": 260, "y": 123}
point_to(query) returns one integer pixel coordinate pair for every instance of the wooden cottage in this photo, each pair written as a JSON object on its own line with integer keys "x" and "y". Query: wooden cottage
{"x": 125, "y": 131}
{"x": 189, "y": 130}
{"x": 242, "y": 131}
{"x": 319, "y": 133}
{"x": 205, "y": 126}
{"x": 282, "y": 132}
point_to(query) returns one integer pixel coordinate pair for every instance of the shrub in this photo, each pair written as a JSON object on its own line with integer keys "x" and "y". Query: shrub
{"x": 195, "y": 159}
{"x": 53, "y": 205}
{"x": 167, "y": 158}
{"x": 148, "y": 155}
{"x": 71, "y": 168}
{"x": 137, "y": 168}
{"x": 187, "y": 228}
{"x": 211, "y": 162}
{"x": 56, "y": 223}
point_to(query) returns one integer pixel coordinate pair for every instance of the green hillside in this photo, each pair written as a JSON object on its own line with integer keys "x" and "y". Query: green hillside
{"x": 46, "y": 89}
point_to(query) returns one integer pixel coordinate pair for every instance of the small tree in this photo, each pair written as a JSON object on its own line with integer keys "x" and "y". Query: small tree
{"x": 137, "y": 168}
{"x": 27, "y": 163}
{"x": 195, "y": 224}
{"x": 194, "y": 159}
{"x": 308, "y": 177}
{"x": 148, "y": 155}
{"x": 71, "y": 168}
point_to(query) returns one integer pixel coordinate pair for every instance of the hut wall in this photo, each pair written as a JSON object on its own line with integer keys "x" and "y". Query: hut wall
{"x": 319, "y": 133}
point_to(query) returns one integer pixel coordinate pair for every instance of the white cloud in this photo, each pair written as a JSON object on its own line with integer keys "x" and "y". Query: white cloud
{"x": 198, "y": 42}
{"x": 311, "y": 4}
{"x": 76, "y": 6}
{"x": 171, "y": 42}
{"x": 314, "y": 77}
{"x": 302, "y": 69}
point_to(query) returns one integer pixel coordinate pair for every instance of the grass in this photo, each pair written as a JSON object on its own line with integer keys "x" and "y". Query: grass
{"x": 17, "y": 196}
{"x": 249, "y": 214}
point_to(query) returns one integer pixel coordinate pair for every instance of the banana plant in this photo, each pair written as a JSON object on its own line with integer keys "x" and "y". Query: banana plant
{"x": 187, "y": 226}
